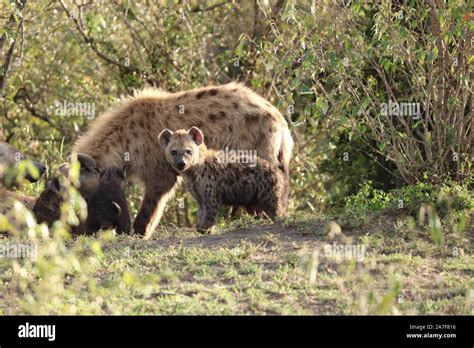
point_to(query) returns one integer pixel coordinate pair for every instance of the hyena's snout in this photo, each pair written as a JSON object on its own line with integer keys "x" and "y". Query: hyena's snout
{"x": 179, "y": 161}
{"x": 180, "y": 164}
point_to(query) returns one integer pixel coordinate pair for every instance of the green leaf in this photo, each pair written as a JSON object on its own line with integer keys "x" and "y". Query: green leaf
{"x": 305, "y": 89}
{"x": 240, "y": 46}
{"x": 333, "y": 59}
{"x": 428, "y": 137}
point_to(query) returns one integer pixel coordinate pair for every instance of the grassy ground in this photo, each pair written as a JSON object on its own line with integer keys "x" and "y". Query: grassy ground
{"x": 250, "y": 268}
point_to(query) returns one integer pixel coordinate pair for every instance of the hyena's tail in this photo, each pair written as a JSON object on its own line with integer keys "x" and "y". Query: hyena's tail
{"x": 286, "y": 149}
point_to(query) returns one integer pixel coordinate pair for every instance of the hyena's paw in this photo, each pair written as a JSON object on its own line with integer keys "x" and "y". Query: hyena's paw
{"x": 208, "y": 230}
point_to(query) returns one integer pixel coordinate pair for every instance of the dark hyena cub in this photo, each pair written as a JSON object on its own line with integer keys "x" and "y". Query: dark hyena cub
{"x": 213, "y": 181}
{"x": 107, "y": 206}
{"x": 48, "y": 205}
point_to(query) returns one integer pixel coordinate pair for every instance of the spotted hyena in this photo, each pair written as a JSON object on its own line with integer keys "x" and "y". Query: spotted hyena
{"x": 107, "y": 206}
{"x": 232, "y": 116}
{"x": 10, "y": 157}
{"x": 213, "y": 181}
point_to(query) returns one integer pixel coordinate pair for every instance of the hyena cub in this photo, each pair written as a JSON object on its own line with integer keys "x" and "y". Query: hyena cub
{"x": 48, "y": 205}
{"x": 214, "y": 182}
{"x": 107, "y": 206}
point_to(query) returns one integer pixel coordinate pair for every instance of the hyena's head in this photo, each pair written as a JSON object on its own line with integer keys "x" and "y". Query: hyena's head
{"x": 113, "y": 175}
{"x": 182, "y": 147}
{"x": 89, "y": 174}
{"x": 10, "y": 158}
{"x": 48, "y": 205}
{"x": 51, "y": 196}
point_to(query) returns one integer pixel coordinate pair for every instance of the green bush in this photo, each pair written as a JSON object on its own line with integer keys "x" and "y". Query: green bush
{"x": 446, "y": 197}
{"x": 327, "y": 66}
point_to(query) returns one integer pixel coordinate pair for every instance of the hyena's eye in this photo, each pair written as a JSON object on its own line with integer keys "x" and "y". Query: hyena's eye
{"x": 189, "y": 152}
{"x": 173, "y": 152}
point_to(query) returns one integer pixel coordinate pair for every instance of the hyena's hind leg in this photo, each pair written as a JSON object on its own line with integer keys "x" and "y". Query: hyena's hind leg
{"x": 234, "y": 212}
{"x": 285, "y": 192}
{"x": 157, "y": 195}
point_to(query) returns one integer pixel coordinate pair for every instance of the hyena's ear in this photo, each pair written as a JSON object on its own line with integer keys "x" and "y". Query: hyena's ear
{"x": 196, "y": 134}
{"x": 164, "y": 138}
{"x": 64, "y": 168}
{"x": 87, "y": 161}
{"x": 54, "y": 185}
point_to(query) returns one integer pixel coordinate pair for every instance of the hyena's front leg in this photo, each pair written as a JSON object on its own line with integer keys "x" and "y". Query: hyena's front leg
{"x": 210, "y": 213}
{"x": 272, "y": 205}
{"x": 92, "y": 225}
{"x": 200, "y": 214}
{"x": 123, "y": 222}
{"x": 153, "y": 205}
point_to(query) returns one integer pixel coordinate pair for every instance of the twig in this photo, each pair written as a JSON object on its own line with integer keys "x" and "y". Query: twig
{"x": 93, "y": 45}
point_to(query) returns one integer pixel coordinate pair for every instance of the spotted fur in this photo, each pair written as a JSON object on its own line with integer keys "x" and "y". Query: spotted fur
{"x": 131, "y": 127}
{"x": 214, "y": 182}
